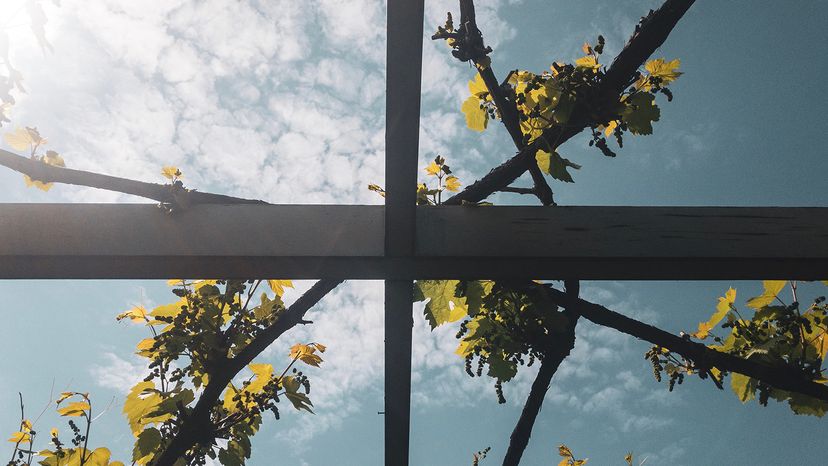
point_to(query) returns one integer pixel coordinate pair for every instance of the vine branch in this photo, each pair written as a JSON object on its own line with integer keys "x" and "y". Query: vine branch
{"x": 781, "y": 377}
{"x": 505, "y": 105}
{"x": 163, "y": 193}
{"x": 649, "y": 35}
{"x": 197, "y": 426}
{"x": 559, "y": 348}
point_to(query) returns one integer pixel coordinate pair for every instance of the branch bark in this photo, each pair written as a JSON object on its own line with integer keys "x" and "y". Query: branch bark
{"x": 159, "y": 192}
{"x": 647, "y": 38}
{"x": 198, "y": 426}
{"x": 505, "y": 106}
{"x": 558, "y": 351}
{"x": 781, "y": 377}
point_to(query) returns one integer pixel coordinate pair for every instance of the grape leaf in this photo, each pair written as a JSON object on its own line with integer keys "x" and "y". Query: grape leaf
{"x": 555, "y": 165}
{"x": 640, "y": 111}
{"x": 771, "y": 290}
{"x": 476, "y": 117}
{"x": 443, "y": 306}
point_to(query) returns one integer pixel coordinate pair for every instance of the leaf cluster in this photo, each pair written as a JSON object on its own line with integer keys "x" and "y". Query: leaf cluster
{"x": 212, "y": 322}
{"x": 502, "y": 324}
{"x": 570, "y": 95}
{"x": 29, "y": 140}
{"x": 771, "y": 332}
{"x": 75, "y": 453}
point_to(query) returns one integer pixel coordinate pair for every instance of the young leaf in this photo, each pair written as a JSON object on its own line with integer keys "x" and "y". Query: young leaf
{"x": 452, "y": 183}
{"x": 588, "y": 62}
{"x": 77, "y": 408}
{"x": 20, "y": 139}
{"x": 299, "y": 400}
{"x": 722, "y": 308}
{"x": 477, "y": 87}
{"x": 146, "y": 445}
{"x": 743, "y": 386}
{"x": 137, "y": 314}
{"x": 306, "y": 354}
{"x": 20, "y": 437}
{"x": 771, "y": 290}
{"x": 555, "y": 165}
{"x": 666, "y": 71}
{"x": 278, "y": 286}
{"x": 640, "y": 112}
{"x": 171, "y": 172}
{"x": 476, "y": 117}
{"x": 443, "y": 305}
{"x": 432, "y": 169}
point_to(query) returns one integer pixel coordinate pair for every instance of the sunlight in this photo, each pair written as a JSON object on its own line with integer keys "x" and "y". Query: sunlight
{"x": 22, "y": 20}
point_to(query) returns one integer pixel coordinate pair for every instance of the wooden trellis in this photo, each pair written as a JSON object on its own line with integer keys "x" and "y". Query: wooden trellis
{"x": 400, "y": 243}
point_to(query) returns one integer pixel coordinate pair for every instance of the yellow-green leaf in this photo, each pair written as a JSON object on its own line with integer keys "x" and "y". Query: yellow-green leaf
{"x": 136, "y": 314}
{"x": 19, "y": 139}
{"x": 278, "y": 286}
{"x": 19, "y": 437}
{"x": 299, "y": 400}
{"x": 477, "y": 86}
{"x": 267, "y": 308}
{"x": 306, "y": 354}
{"x": 476, "y": 117}
{"x": 771, "y": 290}
{"x": 667, "y": 71}
{"x": 640, "y": 111}
{"x": 743, "y": 386}
{"x": 262, "y": 373}
{"x": 36, "y": 183}
{"x": 54, "y": 159}
{"x": 588, "y": 62}
{"x": 610, "y": 128}
{"x": 452, "y": 183}
{"x": 98, "y": 457}
{"x": 433, "y": 169}
{"x": 77, "y": 408}
{"x": 443, "y": 306}
{"x": 555, "y": 165}
{"x": 146, "y": 445}
{"x": 722, "y": 308}
{"x": 142, "y": 400}
{"x": 171, "y": 172}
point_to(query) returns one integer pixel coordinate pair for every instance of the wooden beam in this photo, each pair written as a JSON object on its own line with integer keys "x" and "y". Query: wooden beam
{"x": 402, "y": 128}
{"x": 613, "y": 243}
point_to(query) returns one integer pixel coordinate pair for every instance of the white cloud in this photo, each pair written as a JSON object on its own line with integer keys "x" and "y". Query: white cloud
{"x": 117, "y": 373}
{"x": 236, "y": 94}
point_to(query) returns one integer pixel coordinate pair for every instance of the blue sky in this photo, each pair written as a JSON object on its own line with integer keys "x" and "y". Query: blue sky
{"x": 284, "y": 101}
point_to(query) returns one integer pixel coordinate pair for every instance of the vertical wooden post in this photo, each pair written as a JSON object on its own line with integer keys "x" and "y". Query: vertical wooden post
{"x": 402, "y": 126}
{"x": 398, "y": 323}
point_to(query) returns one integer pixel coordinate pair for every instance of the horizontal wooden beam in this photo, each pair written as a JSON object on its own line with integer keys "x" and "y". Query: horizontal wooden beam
{"x": 311, "y": 241}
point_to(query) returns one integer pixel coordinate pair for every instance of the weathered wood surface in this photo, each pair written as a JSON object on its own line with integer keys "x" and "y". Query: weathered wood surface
{"x": 295, "y": 241}
{"x": 404, "y": 48}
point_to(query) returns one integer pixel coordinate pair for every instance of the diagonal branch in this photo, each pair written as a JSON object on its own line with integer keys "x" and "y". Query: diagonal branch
{"x": 559, "y": 349}
{"x": 40, "y": 171}
{"x": 506, "y": 106}
{"x": 781, "y": 377}
{"x": 652, "y": 32}
{"x": 197, "y": 427}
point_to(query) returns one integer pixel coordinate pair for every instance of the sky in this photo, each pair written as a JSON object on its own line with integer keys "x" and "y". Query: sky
{"x": 283, "y": 101}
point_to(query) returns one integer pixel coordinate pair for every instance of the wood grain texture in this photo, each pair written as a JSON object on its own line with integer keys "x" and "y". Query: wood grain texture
{"x": 613, "y": 243}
